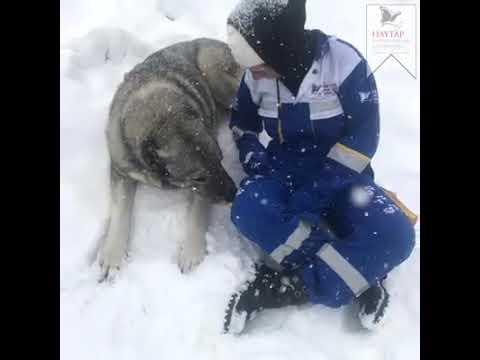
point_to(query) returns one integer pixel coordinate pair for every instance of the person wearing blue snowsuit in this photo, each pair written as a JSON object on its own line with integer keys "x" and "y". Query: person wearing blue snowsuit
{"x": 310, "y": 200}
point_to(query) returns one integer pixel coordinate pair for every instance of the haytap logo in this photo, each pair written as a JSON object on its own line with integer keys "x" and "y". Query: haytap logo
{"x": 391, "y": 36}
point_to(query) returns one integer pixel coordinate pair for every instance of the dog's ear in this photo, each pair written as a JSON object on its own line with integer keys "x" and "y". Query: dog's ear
{"x": 220, "y": 70}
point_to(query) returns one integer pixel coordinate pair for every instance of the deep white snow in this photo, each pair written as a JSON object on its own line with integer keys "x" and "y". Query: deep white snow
{"x": 152, "y": 311}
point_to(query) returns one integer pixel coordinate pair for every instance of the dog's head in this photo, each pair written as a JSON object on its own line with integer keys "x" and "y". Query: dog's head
{"x": 222, "y": 73}
{"x": 187, "y": 156}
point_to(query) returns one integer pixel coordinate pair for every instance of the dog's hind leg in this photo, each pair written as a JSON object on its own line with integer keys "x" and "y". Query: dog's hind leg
{"x": 193, "y": 246}
{"x": 116, "y": 240}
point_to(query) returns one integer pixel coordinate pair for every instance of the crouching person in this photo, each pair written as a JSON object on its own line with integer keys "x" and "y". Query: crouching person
{"x": 310, "y": 200}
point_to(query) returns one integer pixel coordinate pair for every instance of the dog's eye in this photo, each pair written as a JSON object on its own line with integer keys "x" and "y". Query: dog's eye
{"x": 230, "y": 67}
{"x": 200, "y": 179}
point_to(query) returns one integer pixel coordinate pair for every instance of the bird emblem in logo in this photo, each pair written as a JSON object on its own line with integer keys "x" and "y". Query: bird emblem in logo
{"x": 389, "y": 16}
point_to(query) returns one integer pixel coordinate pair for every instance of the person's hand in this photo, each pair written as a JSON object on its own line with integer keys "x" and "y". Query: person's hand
{"x": 254, "y": 157}
{"x": 257, "y": 163}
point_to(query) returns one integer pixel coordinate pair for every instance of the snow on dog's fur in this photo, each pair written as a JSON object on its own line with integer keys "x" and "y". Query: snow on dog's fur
{"x": 162, "y": 132}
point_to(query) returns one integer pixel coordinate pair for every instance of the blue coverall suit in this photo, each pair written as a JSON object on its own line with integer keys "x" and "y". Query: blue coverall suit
{"x": 316, "y": 170}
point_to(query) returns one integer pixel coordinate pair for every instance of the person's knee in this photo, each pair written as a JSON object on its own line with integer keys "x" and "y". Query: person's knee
{"x": 399, "y": 242}
{"x": 245, "y": 203}
{"x": 384, "y": 225}
{"x": 259, "y": 192}
{"x": 241, "y": 210}
{"x": 256, "y": 186}
{"x": 259, "y": 206}
{"x": 405, "y": 241}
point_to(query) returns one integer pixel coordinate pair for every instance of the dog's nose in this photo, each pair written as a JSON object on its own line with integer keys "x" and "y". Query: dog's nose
{"x": 231, "y": 191}
{"x": 231, "y": 196}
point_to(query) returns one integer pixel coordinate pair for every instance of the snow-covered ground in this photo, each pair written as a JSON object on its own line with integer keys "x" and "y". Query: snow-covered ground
{"x": 152, "y": 311}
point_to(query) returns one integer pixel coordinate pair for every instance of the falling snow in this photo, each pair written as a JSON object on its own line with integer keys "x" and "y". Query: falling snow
{"x": 389, "y": 210}
{"x": 152, "y": 311}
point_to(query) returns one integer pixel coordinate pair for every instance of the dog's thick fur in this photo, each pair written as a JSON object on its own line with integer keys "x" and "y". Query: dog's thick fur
{"x": 162, "y": 132}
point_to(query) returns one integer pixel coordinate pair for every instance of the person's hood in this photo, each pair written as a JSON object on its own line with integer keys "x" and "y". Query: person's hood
{"x": 273, "y": 32}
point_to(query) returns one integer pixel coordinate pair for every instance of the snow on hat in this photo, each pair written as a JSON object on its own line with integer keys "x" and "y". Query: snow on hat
{"x": 272, "y": 32}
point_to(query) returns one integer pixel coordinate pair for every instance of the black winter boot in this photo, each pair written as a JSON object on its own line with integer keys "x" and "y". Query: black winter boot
{"x": 373, "y": 304}
{"x": 269, "y": 290}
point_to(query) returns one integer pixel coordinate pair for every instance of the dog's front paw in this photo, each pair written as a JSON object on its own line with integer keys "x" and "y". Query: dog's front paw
{"x": 190, "y": 256}
{"x": 110, "y": 261}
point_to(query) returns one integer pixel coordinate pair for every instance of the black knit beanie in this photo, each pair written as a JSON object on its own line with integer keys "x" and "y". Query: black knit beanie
{"x": 274, "y": 29}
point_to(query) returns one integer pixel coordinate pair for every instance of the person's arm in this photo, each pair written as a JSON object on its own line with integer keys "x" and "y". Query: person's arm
{"x": 246, "y": 125}
{"x": 352, "y": 153}
{"x": 359, "y": 99}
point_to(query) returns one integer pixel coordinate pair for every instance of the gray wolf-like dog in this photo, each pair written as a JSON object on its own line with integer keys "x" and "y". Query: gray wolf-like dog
{"x": 162, "y": 132}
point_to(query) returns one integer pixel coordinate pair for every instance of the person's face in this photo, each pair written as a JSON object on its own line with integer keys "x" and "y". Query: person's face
{"x": 263, "y": 71}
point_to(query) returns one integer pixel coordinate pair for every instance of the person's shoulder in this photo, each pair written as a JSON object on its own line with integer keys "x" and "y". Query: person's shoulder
{"x": 343, "y": 49}
{"x": 345, "y": 57}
